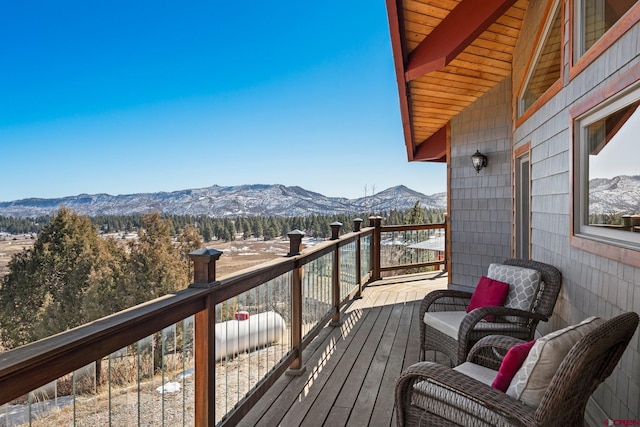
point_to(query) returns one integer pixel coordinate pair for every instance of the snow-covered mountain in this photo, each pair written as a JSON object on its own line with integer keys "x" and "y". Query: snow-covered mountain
{"x": 619, "y": 195}
{"x": 217, "y": 201}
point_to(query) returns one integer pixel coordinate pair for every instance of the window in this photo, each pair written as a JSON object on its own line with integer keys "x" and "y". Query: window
{"x": 594, "y": 18}
{"x": 546, "y": 70}
{"x": 607, "y": 171}
{"x": 522, "y": 211}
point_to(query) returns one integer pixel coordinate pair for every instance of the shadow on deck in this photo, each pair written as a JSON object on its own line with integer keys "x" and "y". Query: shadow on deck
{"x": 351, "y": 370}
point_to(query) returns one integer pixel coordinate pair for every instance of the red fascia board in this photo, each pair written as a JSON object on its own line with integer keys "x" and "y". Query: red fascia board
{"x": 458, "y": 29}
{"x": 434, "y": 148}
{"x": 396, "y": 31}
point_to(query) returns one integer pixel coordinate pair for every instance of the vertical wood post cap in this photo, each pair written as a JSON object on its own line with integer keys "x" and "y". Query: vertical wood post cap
{"x": 335, "y": 230}
{"x": 204, "y": 265}
{"x": 207, "y": 254}
{"x": 357, "y": 224}
{"x": 295, "y": 242}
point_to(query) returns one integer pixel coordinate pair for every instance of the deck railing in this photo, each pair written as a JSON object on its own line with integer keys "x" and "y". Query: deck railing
{"x": 410, "y": 248}
{"x": 201, "y": 356}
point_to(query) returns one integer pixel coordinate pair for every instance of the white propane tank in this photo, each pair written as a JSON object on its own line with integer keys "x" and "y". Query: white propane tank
{"x": 257, "y": 331}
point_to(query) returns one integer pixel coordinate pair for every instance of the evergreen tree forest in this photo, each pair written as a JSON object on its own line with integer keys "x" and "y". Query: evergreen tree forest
{"x": 72, "y": 275}
{"x": 80, "y": 269}
{"x": 226, "y": 229}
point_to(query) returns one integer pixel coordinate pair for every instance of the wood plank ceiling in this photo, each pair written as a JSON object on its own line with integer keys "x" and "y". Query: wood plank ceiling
{"x": 447, "y": 54}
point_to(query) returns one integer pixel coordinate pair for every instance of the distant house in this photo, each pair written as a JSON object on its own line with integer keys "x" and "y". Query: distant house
{"x": 434, "y": 247}
{"x": 549, "y": 92}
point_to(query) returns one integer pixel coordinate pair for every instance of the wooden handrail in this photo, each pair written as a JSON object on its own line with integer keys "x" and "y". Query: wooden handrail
{"x": 412, "y": 227}
{"x": 31, "y": 366}
{"x": 65, "y": 352}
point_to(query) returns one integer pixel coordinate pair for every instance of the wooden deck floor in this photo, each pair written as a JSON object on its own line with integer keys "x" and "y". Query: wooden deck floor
{"x": 351, "y": 370}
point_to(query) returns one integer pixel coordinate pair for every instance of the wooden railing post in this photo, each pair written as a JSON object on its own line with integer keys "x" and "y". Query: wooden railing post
{"x": 204, "y": 364}
{"x": 204, "y": 267}
{"x": 335, "y": 230}
{"x": 295, "y": 242}
{"x": 295, "y": 248}
{"x": 335, "y": 234}
{"x": 376, "y": 222}
{"x": 357, "y": 225}
{"x": 204, "y": 276}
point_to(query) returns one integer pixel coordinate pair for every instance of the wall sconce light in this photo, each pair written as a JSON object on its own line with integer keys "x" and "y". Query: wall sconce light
{"x": 479, "y": 161}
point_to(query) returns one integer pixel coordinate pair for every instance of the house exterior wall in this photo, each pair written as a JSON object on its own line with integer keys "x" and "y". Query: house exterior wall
{"x": 480, "y": 202}
{"x": 592, "y": 284}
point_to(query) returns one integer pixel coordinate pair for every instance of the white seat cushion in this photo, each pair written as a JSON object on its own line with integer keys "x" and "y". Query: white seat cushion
{"x": 477, "y": 372}
{"x": 447, "y": 322}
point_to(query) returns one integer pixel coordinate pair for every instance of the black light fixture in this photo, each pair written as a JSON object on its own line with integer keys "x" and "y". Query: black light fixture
{"x": 479, "y": 161}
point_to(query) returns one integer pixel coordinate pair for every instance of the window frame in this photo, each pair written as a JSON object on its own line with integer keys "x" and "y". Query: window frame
{"x": 579, "y": 64}
{"x": 521, "y": 115}
{"x": 620, "y": 92}
{"x": 519, "y": 154}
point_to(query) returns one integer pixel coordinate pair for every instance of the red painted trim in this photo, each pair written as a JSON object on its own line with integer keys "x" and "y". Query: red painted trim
{"x": 458, "y": 29}
{"x": 396, "y": 24}
{"x": 622, "y": 255}
{"x": 553, "y": 90}
{"x": 434, "y": 148}
{"x": 629, "y": 77}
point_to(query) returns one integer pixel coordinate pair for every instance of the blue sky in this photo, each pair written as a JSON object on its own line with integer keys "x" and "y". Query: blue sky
{"x": 138, "y": 96}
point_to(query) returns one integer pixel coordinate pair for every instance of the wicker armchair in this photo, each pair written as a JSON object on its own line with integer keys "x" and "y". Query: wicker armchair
{"x": 429, "y": 394}
{"x": 518, "y": 323}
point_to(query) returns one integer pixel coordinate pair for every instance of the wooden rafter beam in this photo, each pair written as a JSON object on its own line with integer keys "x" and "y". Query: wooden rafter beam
{"x": 434, "y": 148}
{"x": 458, "y": 29}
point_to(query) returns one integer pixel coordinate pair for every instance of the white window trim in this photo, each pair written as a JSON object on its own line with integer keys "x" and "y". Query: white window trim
{"x": 620, "y": 238}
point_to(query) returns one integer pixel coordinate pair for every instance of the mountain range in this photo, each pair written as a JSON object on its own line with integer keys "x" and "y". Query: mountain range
{"x": 618, "y": 195}
{"x": 218, "y": 201}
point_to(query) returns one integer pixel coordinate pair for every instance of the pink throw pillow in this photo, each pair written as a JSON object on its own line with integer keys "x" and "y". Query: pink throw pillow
{"x": 489, "y": 292}
{"x": 510, "y": 364}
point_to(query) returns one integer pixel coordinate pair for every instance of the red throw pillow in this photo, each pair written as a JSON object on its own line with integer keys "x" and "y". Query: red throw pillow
{"x": 489, "y": 292}
{"x": 513, "y": 360}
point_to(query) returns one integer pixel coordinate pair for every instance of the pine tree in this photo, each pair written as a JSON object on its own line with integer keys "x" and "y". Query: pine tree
{"x": 416, "y": 214}
{"x": 155, "y": 265}
{"x": 207, "y": 233}
{"x": 40, "y": 295}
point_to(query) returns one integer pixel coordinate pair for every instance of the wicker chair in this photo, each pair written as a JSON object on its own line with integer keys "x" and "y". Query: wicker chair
{"x": 453, "y": 398}
{"x": 519, "y": 323}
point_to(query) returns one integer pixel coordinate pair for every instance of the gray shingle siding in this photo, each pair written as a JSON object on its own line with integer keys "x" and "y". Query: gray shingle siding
{"x": 481, "y": 202}
{"x": 481, "y": 205}
{"x": 593, "y": 285}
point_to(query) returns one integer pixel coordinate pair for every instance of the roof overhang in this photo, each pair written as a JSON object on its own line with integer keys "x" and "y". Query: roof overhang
{"x": 447, "y": 54}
